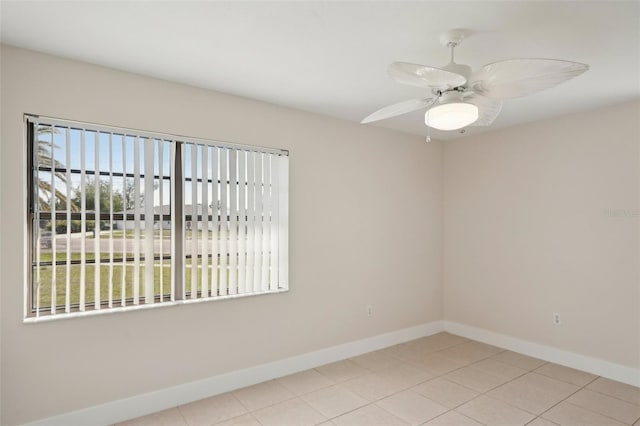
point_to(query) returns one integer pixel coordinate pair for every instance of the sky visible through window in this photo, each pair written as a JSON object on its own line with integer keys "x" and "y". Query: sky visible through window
{"x": 110, "y": 157}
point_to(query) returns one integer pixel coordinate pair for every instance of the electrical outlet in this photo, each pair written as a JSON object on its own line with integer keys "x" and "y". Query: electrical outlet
{"x": 556, "y": 319}
{"x": 369, "y": 310}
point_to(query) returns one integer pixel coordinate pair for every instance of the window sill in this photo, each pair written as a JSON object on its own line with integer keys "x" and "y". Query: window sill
{"x": 46, "y": 317}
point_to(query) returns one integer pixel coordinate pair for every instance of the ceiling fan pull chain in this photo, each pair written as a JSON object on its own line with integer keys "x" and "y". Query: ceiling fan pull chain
{"x": 428, "y": 130}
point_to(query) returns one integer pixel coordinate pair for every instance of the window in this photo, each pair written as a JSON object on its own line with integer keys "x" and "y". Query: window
{"x": 122, "y": 219}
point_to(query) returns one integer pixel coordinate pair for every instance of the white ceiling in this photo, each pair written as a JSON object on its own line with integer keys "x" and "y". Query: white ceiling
{"x": 331, "y": 57}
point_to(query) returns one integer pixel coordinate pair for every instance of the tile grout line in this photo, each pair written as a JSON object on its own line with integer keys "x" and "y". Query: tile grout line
{"x": 538, "y": 417}
{"x": 600, "y": 414}
{"x": 184, "y": 419}
{"x": 408, "y": 363}
{"x": 255, "y": 418}
{"x": 453, "y": 410}
{"x": 397, "y": 392}
{"x": 509, "y": 381}
{"x": 436, "y": 376}
{"x": 568, "y": 396}
{"x": 529, "y": 412}
{"x": 534, "y": 371}
{"x": 441, "y": 376}
{"x": 248, "y": 413}
{"x": 482, "y": 392}
{"x": 603, "y": 394}
{"x": 609, "y": 395}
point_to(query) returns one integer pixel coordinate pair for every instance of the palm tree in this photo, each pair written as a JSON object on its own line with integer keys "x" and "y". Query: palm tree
{"x": 46, "y": 159}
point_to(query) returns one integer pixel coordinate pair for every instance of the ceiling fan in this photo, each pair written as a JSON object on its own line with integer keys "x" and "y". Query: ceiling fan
{"x": 459, "y": 97}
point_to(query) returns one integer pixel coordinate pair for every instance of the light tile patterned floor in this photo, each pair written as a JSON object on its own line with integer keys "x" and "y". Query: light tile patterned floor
{"x": 440, "y": 380}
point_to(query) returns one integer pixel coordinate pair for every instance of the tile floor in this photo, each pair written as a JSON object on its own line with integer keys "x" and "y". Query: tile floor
{"x": 440, "y": 380}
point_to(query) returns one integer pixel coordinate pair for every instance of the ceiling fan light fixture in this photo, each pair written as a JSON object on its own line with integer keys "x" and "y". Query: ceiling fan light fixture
{"x": 461, "y": 97}
{"x": 451, "y": 116}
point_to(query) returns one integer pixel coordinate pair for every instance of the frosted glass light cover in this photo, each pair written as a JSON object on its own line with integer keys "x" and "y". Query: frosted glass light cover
{"x": 451, "y": 116}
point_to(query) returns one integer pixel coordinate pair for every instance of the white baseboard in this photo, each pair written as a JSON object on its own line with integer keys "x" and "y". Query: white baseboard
{"x": 610, "y": 370}
{"x": 140, "y": 405}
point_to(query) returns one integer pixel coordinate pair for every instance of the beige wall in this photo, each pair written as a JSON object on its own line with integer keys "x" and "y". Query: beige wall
{"x": 539, "y": 218}
{"x": 544, "y": 218}
{"x": 365, "y": 229}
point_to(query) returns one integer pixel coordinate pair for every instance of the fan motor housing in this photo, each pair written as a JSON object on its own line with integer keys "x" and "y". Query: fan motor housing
{"x": 454, "y": 36}
{"x": 450, "y": 96}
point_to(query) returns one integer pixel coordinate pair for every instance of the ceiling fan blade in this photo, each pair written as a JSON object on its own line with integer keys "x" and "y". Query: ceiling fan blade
{"x": 424, "y": 76}
{"x": 398, "y": 109}
{"x": 520, "y": 77}
{"x": 488, "y": 109}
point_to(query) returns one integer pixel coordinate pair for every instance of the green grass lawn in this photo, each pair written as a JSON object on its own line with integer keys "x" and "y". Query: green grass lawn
{"x": 130, "y": 234}
{"x": 46, "y": 275}
{"x": 61, "y": 256}
{"x": 113, "y": 275}
{"x": 47, "y": 256}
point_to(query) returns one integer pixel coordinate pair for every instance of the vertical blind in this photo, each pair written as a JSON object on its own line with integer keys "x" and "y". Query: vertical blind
{"x": 123, "y": 219}
{"x": 234, "y": 234}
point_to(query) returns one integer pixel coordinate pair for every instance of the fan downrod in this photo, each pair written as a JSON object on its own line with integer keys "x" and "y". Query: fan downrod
{"x": 451, "y": 39}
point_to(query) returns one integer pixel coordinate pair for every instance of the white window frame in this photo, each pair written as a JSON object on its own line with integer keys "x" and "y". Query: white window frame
{"x": 244, "y": 177}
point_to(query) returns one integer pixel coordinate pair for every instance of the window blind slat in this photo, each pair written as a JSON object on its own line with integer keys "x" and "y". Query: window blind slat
{"x": 266, "y": 222}
{"x": 123, "y": 283}
{"x": 242, "y": 222}
{"x": 67, "y": 297}
{"x": 283, "y": 222}
{"x": 54, "y": 256}
{"x": 205, "y": 221}
{"x": 215, "y": 211}
{"x": 233, "y": 221}
{"x": 174, "y": 241}
{"x": 96, "y": 223}
{"x": 251, "y": 221}
{"x": 149, "y": 162}
{"x": 83, "y": 221}
{"x": 136, "y": 223}
{"x": 257, "y": 270}
{"x": 224, "y": 212}
{"x": 275, "y": 206}
{"x": 194, "y": 221}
